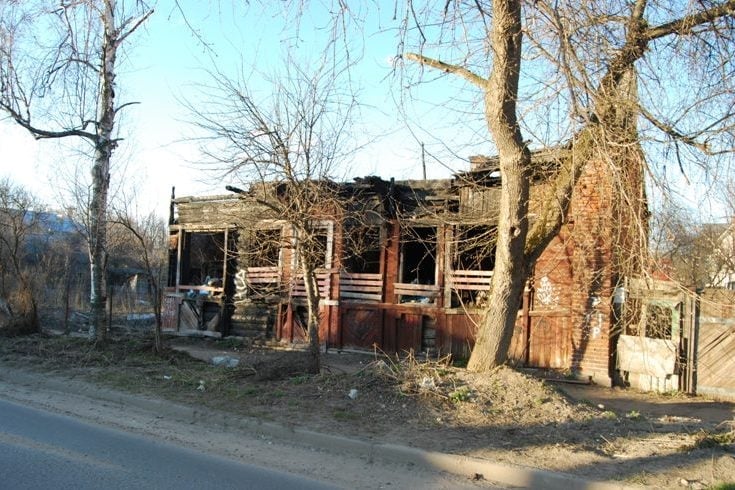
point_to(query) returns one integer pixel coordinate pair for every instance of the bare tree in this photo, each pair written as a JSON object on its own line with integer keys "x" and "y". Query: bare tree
{"x": 18, "y": 221}
{"x": 58, "y": 66}
{"x": 146, "y": 237}
{"x": 286, "y": 143}
{"x": 693, "y": 249}
{"x": 602, "y": 67}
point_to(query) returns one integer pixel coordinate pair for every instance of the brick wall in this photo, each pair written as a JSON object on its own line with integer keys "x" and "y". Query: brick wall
{"x": 573, "y": 279}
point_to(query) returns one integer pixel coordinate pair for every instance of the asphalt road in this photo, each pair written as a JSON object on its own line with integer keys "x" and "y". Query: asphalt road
{"x": 43, "y": 450}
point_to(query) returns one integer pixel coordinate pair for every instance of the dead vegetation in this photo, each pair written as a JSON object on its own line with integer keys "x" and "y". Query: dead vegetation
{"x": 504, "y": 415}
{"x": 18, "y": 316}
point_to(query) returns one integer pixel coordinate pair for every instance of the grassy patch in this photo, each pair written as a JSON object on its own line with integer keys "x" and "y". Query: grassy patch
{"x": 633, "y": 415}
{"x": 230, "y": 343}
{"x": 723, "y": 486}
{"x": 344, "y": 415}
{"x": 300, "y": 379}
{"x": 609, "y": 415}
{"x": 462, "y": 394}
{"x": 706, "y": 439}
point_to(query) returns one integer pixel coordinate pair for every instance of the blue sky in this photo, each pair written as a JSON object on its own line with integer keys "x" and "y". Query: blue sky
{"x": 165, "y": 64}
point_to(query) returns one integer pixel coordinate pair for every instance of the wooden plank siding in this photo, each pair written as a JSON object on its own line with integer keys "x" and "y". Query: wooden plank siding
{"x": 458, "y": 334}
{"x": 417, "y": 290}
{"x": 263, "y": 275}
{"x": 361, "y": 326}
{"x": 550, "y": 341}
{"x": 408, "y": 332}
{"x": 716, "y": 357}
{"x": 170, "y": 309}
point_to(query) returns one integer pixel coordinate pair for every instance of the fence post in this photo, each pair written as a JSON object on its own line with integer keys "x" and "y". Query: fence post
{"x": 693, "y": 344}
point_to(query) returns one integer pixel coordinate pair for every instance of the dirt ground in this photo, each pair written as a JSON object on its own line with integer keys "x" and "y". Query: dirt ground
{"x": 663, "y": 441}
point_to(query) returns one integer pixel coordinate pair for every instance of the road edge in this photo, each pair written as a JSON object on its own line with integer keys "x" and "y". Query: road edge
{"x": 499, "y": 473}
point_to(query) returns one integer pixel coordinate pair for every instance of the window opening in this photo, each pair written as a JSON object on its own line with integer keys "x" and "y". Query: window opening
{"x": 418, "y": 256}
{"x": 473, "y": 249}
{"x": 662, "y": 320}
{"x": 317, "y": 243}
{"x": 655, "y": 319}
{"x": 417, "y": 270}
{"x": 260, "y": 277}
{"x": 361, "y": 250}
{"x": 264, "y": 248}
{"x": 204, "y": 262}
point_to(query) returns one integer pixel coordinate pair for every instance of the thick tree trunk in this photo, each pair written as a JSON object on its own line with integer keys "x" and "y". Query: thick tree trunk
{"x": 104, "y": 145}
{"x": 496, "y": 331}
{"x": 610, "y": 127}
{"x": 97, "y": 239}
{"x": 614, "y": 120}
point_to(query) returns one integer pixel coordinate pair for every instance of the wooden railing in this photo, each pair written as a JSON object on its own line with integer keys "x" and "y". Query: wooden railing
{"x": 257, "y": 282}
{"x": 365, "y": 287}
{"x": 183, "y": 288}
{"x": 470, "y": 280}
{"x": 262, "y": 275}
{"x": 324, "y": 281}
{"x": 416, "y": 293}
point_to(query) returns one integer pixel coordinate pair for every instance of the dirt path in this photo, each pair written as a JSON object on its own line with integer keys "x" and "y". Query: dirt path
{"x": 684, "y": 407}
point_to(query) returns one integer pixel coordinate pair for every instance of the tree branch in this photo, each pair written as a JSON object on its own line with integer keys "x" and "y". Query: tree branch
{"x": 687, "y": 24}
{"x": 39, "y": 133}
{"x": 672, "y": 132}
{"x": 123, "y": 106}
{"x": 124, "y": 35}
{"x": 449, "y": 68}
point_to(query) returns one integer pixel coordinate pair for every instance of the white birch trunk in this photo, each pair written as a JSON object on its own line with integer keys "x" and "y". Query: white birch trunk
{"x": 104, "y": 146}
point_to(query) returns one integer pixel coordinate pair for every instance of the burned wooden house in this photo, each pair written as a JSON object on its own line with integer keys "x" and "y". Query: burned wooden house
{"x": 411, "y": 273}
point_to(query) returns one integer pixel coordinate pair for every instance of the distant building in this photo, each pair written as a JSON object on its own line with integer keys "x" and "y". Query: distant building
{"x": 725, "y": 251}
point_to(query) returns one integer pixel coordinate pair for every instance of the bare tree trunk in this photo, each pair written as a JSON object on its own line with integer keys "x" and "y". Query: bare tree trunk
{"x": 98, "y": 236}
{"x": 30, "y": 306}
{"x": 101, "y": 176}
{"x": 496, "y": 332}
{"x": 312, "y": 305}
